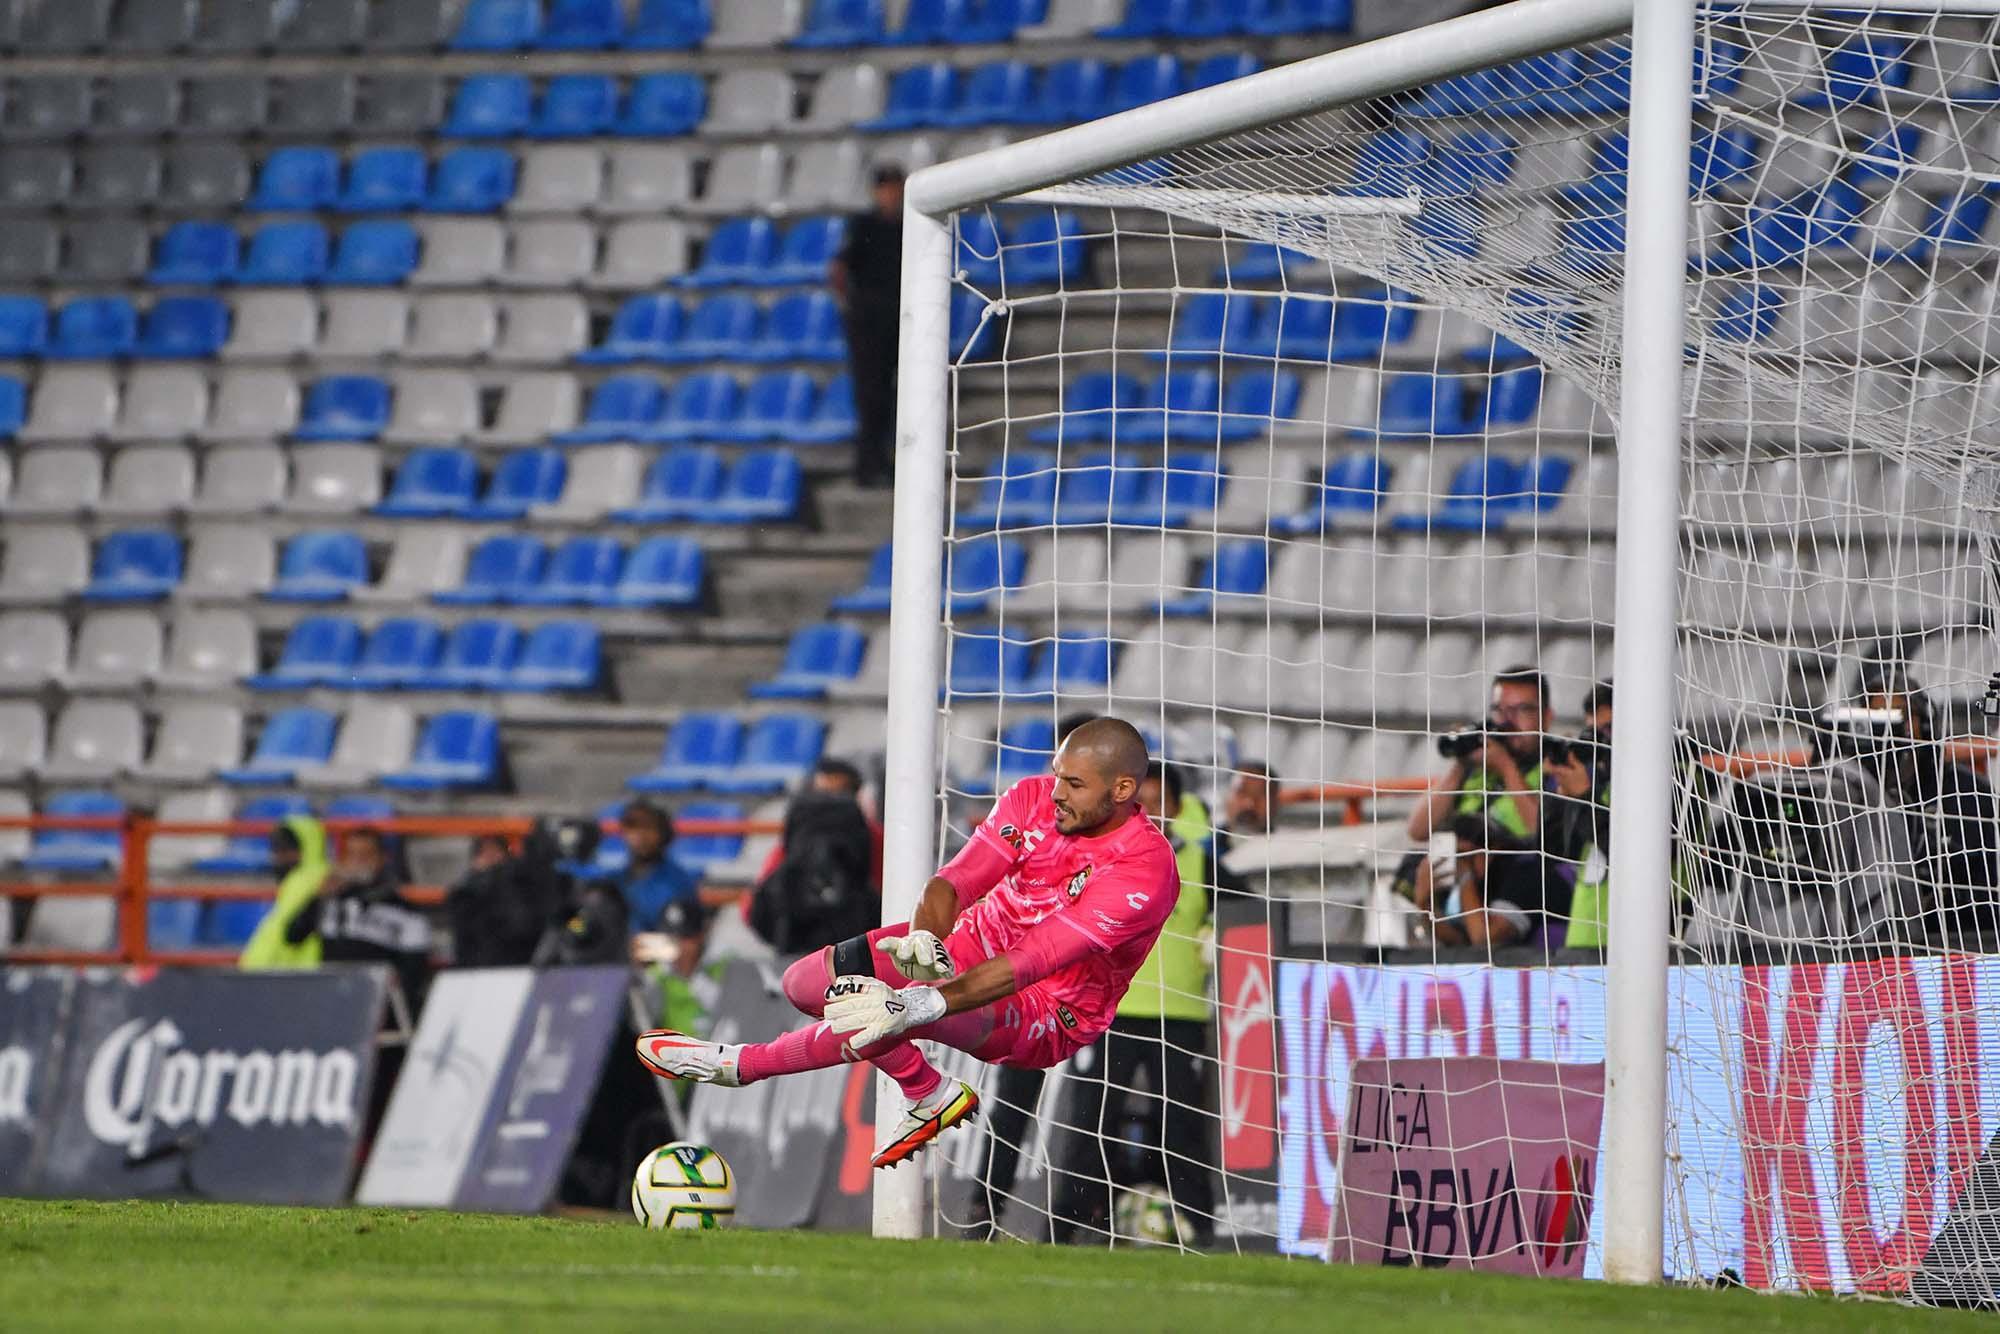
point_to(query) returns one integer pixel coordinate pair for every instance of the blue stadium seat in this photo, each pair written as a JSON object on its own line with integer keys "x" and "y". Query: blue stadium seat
{"x": 623, "y": 407}
{"x": 432, "y": 483}
{"x": 320, "y": 567}
{"x": 810, "y": 245}
{"x": 1544, "y": 482}
{"x": 459, "y": 749}
{"x": 1821, "y": 217}
{"x": 842, "y": 23}
{"x": 1281, "y": 18}
{"x": 1000, "y": 93}
{"x": 1021, "y": 495}
{"x": 498, "y": 569}
{"x": 24, "y": 326}
{"x": 1091, "y": 405}
{"x": 172, "y": 924}
{"x": 818, "y": 656}
{"x": 1266, "y": 263}
{"x": 1071, "y": 92}
{"x": 920, "y": 96}
{"x": 229, "y": 923}
{"x": 581, "y": 571}
{"x": 1880, "y": 162}
{"x": 134, "y": 566}
{"x": 1390, "y": 164}
{"x": 646, "y": 328}
{"x": 95, "y": 328}
{"x": 1045, "y": 248}
{"x": 583, "y": 25}
{"x": 1167, "y": 18}
{"x": 662, "y": 572}
{"x": 973, "y": 335}
{"x": 1749, "y": 314}
{"x": 1481, "y": 490}
{"x": 766, "y": 485}
{"x": 1025, "y": 750}
{"x": 776, "y": 404}
{"x": 402, "y": 651}
{"x": 196, "y": 254}
{"x": 778, "y": 752}
{"x": 1073, "y": 663}
{"x": 523, "y": 479}
{"x": 668, "y": 25}
{"x": 559, "y": 655}
{"x": 385, "y": 180}
{"x": 701, "y": 407}
{"x": 982, "y": 568}
{"x": 1211, "y": 323}
{"x": 286, "y": 254}
{"x": 576, "y": 106}
{"x": 498, "y": 25}
{"x": 13, "y": 406}
{"x": 297, "y": 180}
{"x": 833, "y": 421}
{"x": 344, "y": 407}
{"x": 77, "y": 850}
{"x": 702, "y": 852}
{"x": 184, "y": 328}
{"x": 1364, "y": 326}
{"x": 490, "y": 106}
{"x": 1224, "y": 68}
{"x": 318, "y": 651}
{"x": 1180, "y": 405}
{"x": 1088, "y": 489}
{"x": 999, "y": 20}
{"x": 374, "y": 254}
{"x": 1512, "y": 398}
{"x": 1143, "y": 81}
{"x": 479, "y": 655}
{"x": 683, "y": 483}
{"x": 1238, "y": 568}
{"x": 804, "y": 326}
{"x": 1182, "y": 491}
{"x": 1352, "y": 486}
{"x": 474, "y": 179}
{"x": 741, "y": 250}
{"x": 664, "y": 105}
{"x": 1420, "y": 405}
{"x": 934, "y": 23}
{"x": 698, "y": 747}
{"x": 989, "y": 660}
{"x": 250, "y": 854}
{"x": 613, "y": 857}
{"x": 1859, "y": 71}
{"x": 722, "y": 328}
{"x": 292, "y": 740}
{"x": 1470, "y": 162}
{"x": 873, "y": 595}
{"x": 1252, "y": 397}
{"x": 1953, "y": 222}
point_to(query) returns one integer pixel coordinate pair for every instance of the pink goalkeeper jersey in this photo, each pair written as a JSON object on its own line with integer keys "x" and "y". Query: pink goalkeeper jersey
{"x": 1078, "y": 914}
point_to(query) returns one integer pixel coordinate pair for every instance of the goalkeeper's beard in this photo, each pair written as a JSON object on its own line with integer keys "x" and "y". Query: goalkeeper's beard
{"x": 1079, "y": 820}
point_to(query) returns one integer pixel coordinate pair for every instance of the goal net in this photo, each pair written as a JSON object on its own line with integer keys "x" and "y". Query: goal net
{"x": 1296, "y": 448}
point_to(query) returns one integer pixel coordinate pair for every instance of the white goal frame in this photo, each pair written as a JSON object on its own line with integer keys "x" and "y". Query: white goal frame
{"x": 1649, "y": 434}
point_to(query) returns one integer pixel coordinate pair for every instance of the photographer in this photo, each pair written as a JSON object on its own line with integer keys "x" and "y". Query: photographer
{"x": 361, "y": 916}
{"x": 652, "y": 879}
{"x": 1576, "y": 838}
{"x": 500, "y": 908}
{"x": 1467, "y": 889}
{"x": 1496, "y": 769}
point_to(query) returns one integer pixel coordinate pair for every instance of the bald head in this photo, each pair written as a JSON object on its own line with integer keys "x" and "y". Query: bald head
{"x": 1098, "y": 770}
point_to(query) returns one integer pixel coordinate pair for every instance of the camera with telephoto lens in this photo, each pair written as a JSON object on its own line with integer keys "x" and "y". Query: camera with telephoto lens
{"x": 1463, "y": 742}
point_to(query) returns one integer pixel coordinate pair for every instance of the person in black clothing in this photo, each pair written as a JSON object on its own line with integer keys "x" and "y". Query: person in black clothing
{"x": 867, "y": 277}
{"x": 361, "y": 916}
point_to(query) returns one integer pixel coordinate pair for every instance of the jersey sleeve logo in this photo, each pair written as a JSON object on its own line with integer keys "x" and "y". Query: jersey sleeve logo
{"x": 1076, "y": 882}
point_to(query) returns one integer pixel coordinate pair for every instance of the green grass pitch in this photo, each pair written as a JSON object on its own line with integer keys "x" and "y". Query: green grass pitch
{"x": 159, "y": 1266}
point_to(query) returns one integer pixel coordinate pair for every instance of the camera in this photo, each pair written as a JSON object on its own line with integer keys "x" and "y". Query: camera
{"x": 1462, "y": 742}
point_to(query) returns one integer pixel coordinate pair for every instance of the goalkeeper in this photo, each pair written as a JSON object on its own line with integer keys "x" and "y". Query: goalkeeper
{"x": 1018, "y": 953}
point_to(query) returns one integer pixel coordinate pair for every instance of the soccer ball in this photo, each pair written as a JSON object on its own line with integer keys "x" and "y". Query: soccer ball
{"x": 1145, "y": 1215}
{"x": 683, "y": 1186}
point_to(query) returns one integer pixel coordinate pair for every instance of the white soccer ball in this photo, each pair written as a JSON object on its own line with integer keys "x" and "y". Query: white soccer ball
{"x": 683, "y": 1186}
{"x": 1147, "y": 1216}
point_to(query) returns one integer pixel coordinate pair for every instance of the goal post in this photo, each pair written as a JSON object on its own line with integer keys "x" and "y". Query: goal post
{"x": 1353, "y": 428}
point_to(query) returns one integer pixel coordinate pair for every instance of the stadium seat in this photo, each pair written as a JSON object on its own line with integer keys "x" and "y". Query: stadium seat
{"x": 554, "y": 252}
{"x": 297, "y": 180}
{"x": 13, "y": 406}
{"x": 668, "y": 25}
{"x": 116, "y": 176}
{"x": 24, "y": 326}
{"x": 76, "y": 851}
{"x": 936, "y": 23}
{"x": 230, "y": 563}
{"x": 576, "y": 106}
{"x": 320, "y": 567}
{"x": 442, "y": 326}
{"x": 1071, "y": 92}
{"x": 818, "y": 656}
{"x": 184, "y": 328}
{"x": 522, "y": 480}
{"x": 148, "y": 480}
{"x": 194, "y": 742}
{"x": 804, "y": 326}
{"x": 702, "y": 852}
{"x": 682, "y": 484}
{"x": 623, "y": 407}
{"x": 561, "y": 179}
{"x": 23, "y": 739}
{"x": 832, "y": 23}
{"x": 460, "y": 749}
{"x": 1859, "y": 72}
{"x": 374, "y": 254}
{"x": 1253, "y": 397}
{"x": 1091, "y": 406}
{"x": 701, "y": 407}
{"x": 384, "y": 180}
{"x": 1223, "y": 68}
{"x": 93, "y": 741}
{"x": 741, "y": 250}
{"x": 375, "y": 738}
{"x": 97, "y": 328}
{"x": 919, "y": 97}
{"x": 721, "y": 328}
{"x": 36, "y": 178}
{"x": 425, "y": 560}
{"x": 1283, "y": 18}
{"x": 766, "y": 485}
{"x": 1073, "y": 664}
{"x": 286, "y": 254}
{"x": 474, "y": 179}
{"x": 775, "y": 406}
{"x": 1185, "y": 490}
{"x": 599, "y": 477}
{"x": 699, "y": 747}
{"x": 1209, "y": 324}
{"x": 743, "y": 178}
{"x": 982, "y": 568}
{"x": 1351, "y": 488}
{"x": 162, "y": 403}
{"x": 581, "y": 571}
{"x": 204, "y": 178}
{"x": 34, "y": 649}
{"x": 663, "y": 105}
{"x": 1024, "y": 750}
{"x": 1046, "y": 248}
{"x": 662, "y": 572}
{"x": 318, "y": 651}
{"x": 1000, "y": 93}
{"x": 407, "y": 25}
{"x": 583, "y": 25}
{"x": 873, "y": 595}
{"x": 65, "y": 481}
{"x": 54, "y": 107}
{"x": 1144, "y": 80}
{"x": 778, "y": 752}
{"x": 642, "y": 253}
{"x": 490, "y": 106}
{"x": 195, "y": 254}
{"x": 1238, "y": 569}
{"x": 644, "y": 328}
{"x": 1512, "y": 398}
{"x": 250, "y": 854}
{"x": 990, "y": 660}
{"x": 134, "y": 566}
{"x": 499, "y": 569}
{"x": 324, "y": 26}
{"x": 478, "y": 656}
{"x": 498, "y": 25}
{"x": 559, "y": 655}
{"x": 344, "y": 407}
{"x": 401, "y": 653}
{"x": 833, "y": 420}
{"x": 292, "y": 740}
{"x": 432, "y": 483}
{"x": 810, "y": 245}
{"x": 1022, "y": 494}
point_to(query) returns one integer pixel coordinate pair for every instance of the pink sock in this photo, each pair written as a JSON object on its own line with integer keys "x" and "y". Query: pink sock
{"x": 818, "y": 1047}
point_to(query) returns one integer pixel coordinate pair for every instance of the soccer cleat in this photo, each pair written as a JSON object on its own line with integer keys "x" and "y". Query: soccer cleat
{"x": 925, "y": 1121}
{"x": 672, "y": 1055}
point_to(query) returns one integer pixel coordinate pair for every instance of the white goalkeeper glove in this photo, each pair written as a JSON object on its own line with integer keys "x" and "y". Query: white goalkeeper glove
{"x": 919, "y": 956}
{"x": 866, "y": 1010}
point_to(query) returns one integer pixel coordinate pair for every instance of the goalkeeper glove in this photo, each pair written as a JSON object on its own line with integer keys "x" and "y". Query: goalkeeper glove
{"x": 866, "y": 1010}
{"x": 919, "y": 956}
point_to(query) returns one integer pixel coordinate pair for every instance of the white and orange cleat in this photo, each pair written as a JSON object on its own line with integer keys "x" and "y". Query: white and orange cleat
{"x": 672, "y": 1055}
{"x": 923, "y": 1122}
